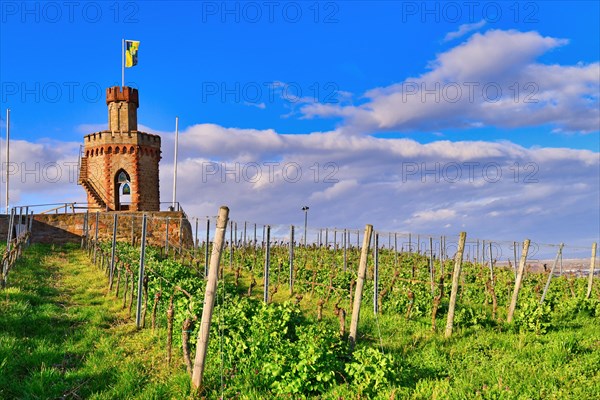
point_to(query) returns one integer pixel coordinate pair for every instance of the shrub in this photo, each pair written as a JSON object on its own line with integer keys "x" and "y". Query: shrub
{"x": 371, "y": 370}
{"x": 533, "y": 317}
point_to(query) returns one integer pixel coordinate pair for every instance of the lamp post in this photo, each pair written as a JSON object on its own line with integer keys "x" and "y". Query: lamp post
{"x": 7, "y": 153}
{"x": 305, "y": 209}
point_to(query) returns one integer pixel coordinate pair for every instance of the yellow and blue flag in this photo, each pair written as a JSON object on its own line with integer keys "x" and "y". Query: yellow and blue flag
{"x": 131, "y": 53}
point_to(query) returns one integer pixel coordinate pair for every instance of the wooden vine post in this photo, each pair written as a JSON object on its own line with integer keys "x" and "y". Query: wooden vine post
{"x": 209, "y": 298}
{"x": 431, "y": 267}
{"x": 113, "y": 252}
{"x": 96, "y": 235}
{"x": 206, "y": 249}
{"x": 245, "y": 226}
{"x": 345, "y": 250}
{"x": 84, "y": 233}
{"x": 267, "y": 265}
{"x": 6, "y": 264}
{"x": 455, "y": 277}
{"x": 133, "y": 230}
{"x": 138, "y": 311}
{"x": 291, "y": 280}
{"x": 167, "y": 223}
{"x": 520, "y": 273}
{"x": 592, "y": 266}
{"x": 362, "y": 272}
{"x": 558, "y": 254}
{"x": 491, "y": 260}
{"x": 196, "y": 241}
{"x": 230, "y": 247}
{"x": 30, "y": 227}
{"x": 515, "y": 258}
{"x": 376, "y": 275}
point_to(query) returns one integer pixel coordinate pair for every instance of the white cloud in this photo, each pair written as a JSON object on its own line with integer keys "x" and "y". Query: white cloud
{"x": 336, "y": 191}
{"x": 41, "y": 172}
{"x": 429, "y": 216}
{"x": 395, "y": 184}
{"x": 262, "y": 106}
{"x": 463, "y": 30}
{"x": 348, "y": 181}
{"x": 491, "y": 79}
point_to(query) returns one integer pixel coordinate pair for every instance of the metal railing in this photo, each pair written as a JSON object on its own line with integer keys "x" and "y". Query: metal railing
{"x": 75, "y": 207}
{"x": 171, "y": 206}
{"x": 79, "y": 161}
{"x": 100, "y": 192}
{"x": 65, "y": 206}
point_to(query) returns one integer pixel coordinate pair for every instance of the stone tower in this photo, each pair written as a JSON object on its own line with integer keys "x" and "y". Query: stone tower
{"x": 119, "y": 166}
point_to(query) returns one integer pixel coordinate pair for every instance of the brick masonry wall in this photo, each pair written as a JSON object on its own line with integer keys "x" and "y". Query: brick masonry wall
{"x": 122, "y": 117}
{"x": 137, "y": 153}
{"x": 69, "y": 228}
{"x": 148, "y": 177}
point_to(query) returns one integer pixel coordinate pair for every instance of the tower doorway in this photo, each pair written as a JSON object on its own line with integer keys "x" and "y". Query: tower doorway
{"x": 122, "y": 191}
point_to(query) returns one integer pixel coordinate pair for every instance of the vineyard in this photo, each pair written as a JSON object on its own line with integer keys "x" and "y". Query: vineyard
{"x": 430, "y": 325}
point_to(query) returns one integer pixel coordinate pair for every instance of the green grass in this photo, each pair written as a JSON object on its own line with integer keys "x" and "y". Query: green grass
{"x": 493, "y": 361}
{"x": 62, "y": 337}
{"x": 490, "y": 363}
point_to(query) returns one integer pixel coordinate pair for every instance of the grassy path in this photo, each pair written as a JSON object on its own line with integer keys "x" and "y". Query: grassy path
{"x": 62, "y": 337}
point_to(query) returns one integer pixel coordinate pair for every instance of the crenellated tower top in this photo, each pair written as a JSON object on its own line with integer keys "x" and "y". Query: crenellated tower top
{"x": 128, "y": 94}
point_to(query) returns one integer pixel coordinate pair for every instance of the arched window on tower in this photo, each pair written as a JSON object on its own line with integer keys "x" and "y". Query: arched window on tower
{"x": 123, "y": 191}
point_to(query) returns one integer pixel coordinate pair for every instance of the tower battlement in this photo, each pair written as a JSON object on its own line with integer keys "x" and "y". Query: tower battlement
{"x": 134, "y": 137}
{"x": 118, "y": 93}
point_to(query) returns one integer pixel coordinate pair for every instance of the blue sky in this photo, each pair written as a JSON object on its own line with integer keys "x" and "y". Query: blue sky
{"x": 207, "y": 61}
{"x": 300, "y": 68}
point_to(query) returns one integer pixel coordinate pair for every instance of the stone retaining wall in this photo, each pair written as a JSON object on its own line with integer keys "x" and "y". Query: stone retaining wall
{"x": 69, "y": 228}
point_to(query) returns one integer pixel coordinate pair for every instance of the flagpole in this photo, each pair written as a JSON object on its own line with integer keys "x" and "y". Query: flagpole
{"x": 175, "y": 163}
{"x": 123, "y": 62}
{"x": 7, "y": 152}
{"x": 1, "y": 167}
